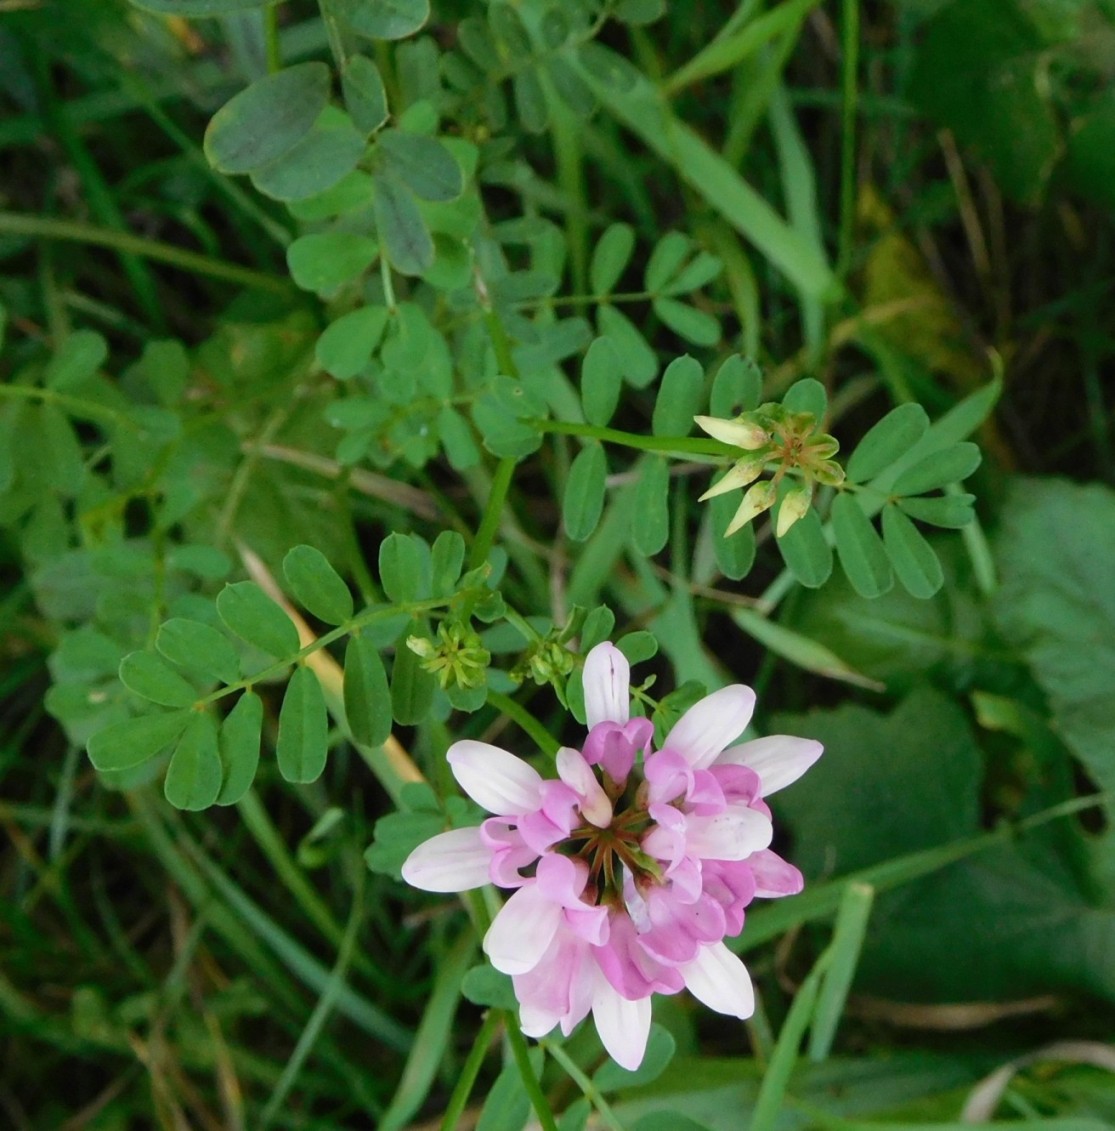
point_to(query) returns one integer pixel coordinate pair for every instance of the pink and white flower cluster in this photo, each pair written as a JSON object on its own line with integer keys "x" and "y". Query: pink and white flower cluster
{"x": 631, "y": 868}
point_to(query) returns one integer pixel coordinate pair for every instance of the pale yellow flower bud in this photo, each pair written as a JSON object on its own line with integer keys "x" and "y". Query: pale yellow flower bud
{"x": 757, "y": 499}
{"x": 795, "y": 506}
{"x": 740, "y": 433}
{"x": 744, "y": 472}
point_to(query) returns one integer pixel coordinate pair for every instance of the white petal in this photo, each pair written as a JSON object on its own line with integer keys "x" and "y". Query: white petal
{"x": 454, "y": 861}
{"x": 577, "y": 774}
{"x": 498, "y": 781}
{"x": 720, "y": 980}
{"x": 624, "y": 1026}
{"x": 731, "y": 835}
{"x": 522, "y": 931}
{"x": 778, "y": 759}
{"x": 708, "y": 726}
{"x": 607, "y": 683}
{"x": 738, "y": 433}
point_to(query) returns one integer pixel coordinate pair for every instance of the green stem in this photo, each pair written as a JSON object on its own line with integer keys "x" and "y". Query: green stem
{"x": 521, "y": 1054}
{"x": 470, "y": 1070}
{"x": 271, "y": 39}
{"x": 87, "y": 410}
{"x": 493, "y": 512}
{"x": 333, "y": 31}
{"x": 687, "y": 445}
{"x": 369, "y": 616}
{"x": 525, "y": 721}
{"x": 849, "y": 66}
{"x": 37, "y": 227}
{"x": 588, "y": 1088}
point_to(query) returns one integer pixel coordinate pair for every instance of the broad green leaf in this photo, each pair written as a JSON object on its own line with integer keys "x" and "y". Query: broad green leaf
{"x": 637, "y": 359}
{"x": 238, "y": 747}
{"x": 703, "y": 269}
{"x": 81, "y": 354}
{"x": 680, "y": 395}
{"x": 321, "y": 262}
{"x": 650, "y": 520}
{"x": 949, "y": 511}
{"x": 127, "y": 744}
{"x": 316, "y": 585}
{"x": 484, "y": 985}
{"x": 610, "y": 69}
{"x": 570, "y": 87}
{"x": 404, "y": 568}
{"x": 601, "y": 381}
{"x": 807, "y": 395}
{"x": 405, "y": 237}
{"x": 193, "y": 778}
{"x": 346, "y": 347}
{"x": 735, "y": 555}
{"x": 457, "y": 439}
{"x": 610, "y": 257}
{"x": 503, "y": 433}
{"x": 914, "y": 560}
{"x": 597, "y": 627}
{"x": 197, "y": 8}
{"x": 152, "y": 679}
{"x": 367, "y": 696}
{"x": 939, "y": 469}
{"x": 530, "y": 100}
{"x": 198, "y": 647}
{"x": 696, "y": 326}
{"x": 737, "y": 387}
{"x": 250, "y": 614}
{"x": 412, "y": 687}
{"x": 323, "y": 158}
{"x": 860, "y": 548}
{"x": 64, "y": 463}
{"x": 303, "y": 742}
{"x": 1056, "y": 601}
{"x": 806, "y": 553}
{"x": 384, "y": 19}
{"x": 583, "y": 501}
{"x": 638, "y": 646}
{"x": 886, "y": 440}
{"x": 365, "y": 97}
{"x": 423, "y": 163}
{"x": 661, "y": 1046}
{"x": 268, "y": 119}
{"x": 665, "y": 261}
{"x": 447, "y": 557}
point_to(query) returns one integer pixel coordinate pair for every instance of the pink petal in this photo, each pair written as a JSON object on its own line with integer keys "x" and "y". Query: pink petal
{"x": 497, "y": 781}
{"x": 778, "y": 759}
{"x": 624, "y": 1026}
{"x": 720, "y": 980}
{"x": 774, "y": 877}
{"x": 607, "y": 683}
{"x": 577, "y": 774}
{"x": 708, "y": 726}
{"x": 458, "y": 860}
{"x": 731, "y": 835}
{"x": 521, "y": 932}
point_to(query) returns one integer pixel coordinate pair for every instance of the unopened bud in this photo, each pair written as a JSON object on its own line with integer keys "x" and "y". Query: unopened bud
{"x": 740, "y": 433}
{"x": 757, "y": 499}
{"x": 744, "y": 472}
{"x": 795, "y": 506}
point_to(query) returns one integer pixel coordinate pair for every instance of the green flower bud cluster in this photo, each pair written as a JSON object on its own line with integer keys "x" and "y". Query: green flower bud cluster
{"x": 458, "y": 658}
{"x": 790, "y": 441}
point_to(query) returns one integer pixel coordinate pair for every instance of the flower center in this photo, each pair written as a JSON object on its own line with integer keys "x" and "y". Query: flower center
{"x": 608, "y": 851}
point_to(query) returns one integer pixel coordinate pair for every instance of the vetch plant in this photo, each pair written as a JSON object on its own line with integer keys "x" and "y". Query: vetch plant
{"x": 631, "y": 867}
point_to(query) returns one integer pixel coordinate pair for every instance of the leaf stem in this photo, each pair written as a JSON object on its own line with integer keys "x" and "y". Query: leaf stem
{"x": 470, "y": 1070}
{"x": 590, "y": 1091}
{"x": 47, "y": 228}
{"x": 521, "y": 1054}
{"x": 493, "y": 512}
{"x": 525, "y": 721}
{"x": 849, "y": 66}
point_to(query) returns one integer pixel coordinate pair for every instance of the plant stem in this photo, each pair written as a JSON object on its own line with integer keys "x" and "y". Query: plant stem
{"x": 521, "y": 1054}
{"x": 588, "y": 1088}
{"x": 38, "y": 227}
{"x": 493, "y": 512}
{"x": 849, "y": 65}
{"x": 271, "y": 39}
{"x": 688, "y": 445}
{"x": 525, "y": 721}
{"x": 470, "y": 1070}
